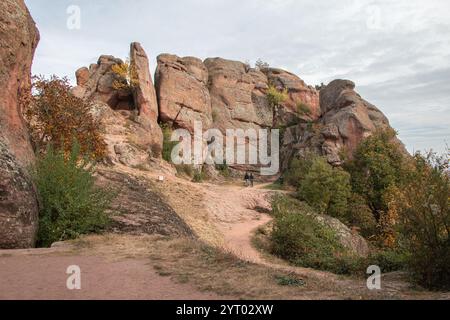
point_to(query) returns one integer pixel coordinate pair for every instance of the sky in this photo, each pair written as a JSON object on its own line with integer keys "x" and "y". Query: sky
{"x": 397, "y": 52}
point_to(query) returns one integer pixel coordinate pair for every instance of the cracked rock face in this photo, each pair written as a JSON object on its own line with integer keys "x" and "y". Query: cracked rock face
{"x": 18, "y": 205}
{"x": 238, "y": 95}
{"x": 138, "y": 106}
{"x": 183, "y": 96}
{"x": 346, "y": 120}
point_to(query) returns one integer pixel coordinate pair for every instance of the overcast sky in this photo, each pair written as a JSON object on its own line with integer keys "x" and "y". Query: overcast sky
{"x": 397, "y": 52}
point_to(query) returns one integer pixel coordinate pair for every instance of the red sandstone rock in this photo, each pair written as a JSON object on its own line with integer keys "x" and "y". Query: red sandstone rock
{"x": 183, "y": 96}
{"x": 18, "y": 205}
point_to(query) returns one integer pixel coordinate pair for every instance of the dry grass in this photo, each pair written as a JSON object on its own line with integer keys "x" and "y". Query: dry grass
{"x": 188, "y": 201}
{"x": 209, "y": 269}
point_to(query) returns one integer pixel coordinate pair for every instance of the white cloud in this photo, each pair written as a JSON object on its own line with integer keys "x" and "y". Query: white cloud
{"x": 397, "y": 52}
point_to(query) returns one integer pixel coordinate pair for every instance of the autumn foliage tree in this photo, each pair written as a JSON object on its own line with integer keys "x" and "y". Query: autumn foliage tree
{"x": 422, "y": 208}
{"x": 126, "y": 76}
{"x": 55, "y": 116}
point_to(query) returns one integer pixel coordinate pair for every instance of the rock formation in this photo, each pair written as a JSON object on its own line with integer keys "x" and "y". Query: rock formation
{"x": 303, "y": 101}
{"x": 226, "y": 94}
{"x": 346, "y": 119}
{"x": 130, "y": 114}
{"x": 18, "y": 205}
{"x": 238, "y": 95}
{"x": 183, "y": 96}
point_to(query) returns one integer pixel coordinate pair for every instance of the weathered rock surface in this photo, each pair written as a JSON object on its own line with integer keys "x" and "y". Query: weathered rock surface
{"x": 303, "y": 102}
{"x": 140, "y": 210}
{"x": 350, "y": 240}
{"x": 145, "y": 95}
{"x": 136, "y": 116}
{"x": 18, "y": 205}
{"x": 127, "y": 141}
{"x": 96, "y": 84}
{"x": 346, "y": 119}
{"x": 183, "y": 96}
{"x": 238, "y": 95}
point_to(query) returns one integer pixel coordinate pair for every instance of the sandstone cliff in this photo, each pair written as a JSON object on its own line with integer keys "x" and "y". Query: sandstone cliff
{"x": 18, "y": 204}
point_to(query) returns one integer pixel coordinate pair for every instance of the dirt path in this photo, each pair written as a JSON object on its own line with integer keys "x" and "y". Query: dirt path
{"x": 236, "y": 212}
{"x": 42, "y": 275}
{"x": 229, "y": 212}
{"x": 233, "y": 208}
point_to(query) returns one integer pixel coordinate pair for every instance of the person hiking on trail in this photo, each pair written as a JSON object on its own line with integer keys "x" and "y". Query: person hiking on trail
{"x": 247, "y": 179}
{"x": 251, "y": 179}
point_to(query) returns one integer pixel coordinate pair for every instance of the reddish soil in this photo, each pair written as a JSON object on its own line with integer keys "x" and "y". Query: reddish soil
{"x": 39, "y": 277}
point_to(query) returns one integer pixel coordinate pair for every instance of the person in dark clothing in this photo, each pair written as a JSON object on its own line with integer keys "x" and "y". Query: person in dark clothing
{"x": 251, "y": 179}
{"x": 247, "y": 179}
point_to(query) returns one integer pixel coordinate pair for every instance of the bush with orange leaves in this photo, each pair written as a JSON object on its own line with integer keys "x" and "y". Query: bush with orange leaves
{"x": 55, "y": 116}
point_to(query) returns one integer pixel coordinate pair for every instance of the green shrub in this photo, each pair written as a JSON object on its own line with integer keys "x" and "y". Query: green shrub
{"x": 298, "y": 169}
{"x": 423, "y": 207}
{"x": 168, "y": 145}
{"x": 303, "y": 109}
{"x": 377, "y": 165}
{"x": 223, "y": 169}
{"x": 199, "y": 176}
{"x": 276, "y": 97}
{"x": 359, "y": 215}
{"x": 71, "y": 204}
{"x": 326, "y": 189}
{"x": 302, "y": 240}
{"x": 290, "y": 280}
{"x": 299, "y": 238}
{"x": 185, "y": 169}
{"x": 389, "y": 260}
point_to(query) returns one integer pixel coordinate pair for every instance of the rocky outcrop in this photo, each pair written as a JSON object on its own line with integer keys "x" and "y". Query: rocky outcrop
{"x": 96, "y": 84}
{"x": 303, "y": 100}
{"x": 18, "y": 205}
{"x": 130, "y": 119}
{"x": 144, "y": 94}
{"x": 350, "y": 240}
{"x": 183, "y": 96}
{"x": 238, "y": 95}
{"x": 346, "y": 119}
{"x": 139, "y": 209}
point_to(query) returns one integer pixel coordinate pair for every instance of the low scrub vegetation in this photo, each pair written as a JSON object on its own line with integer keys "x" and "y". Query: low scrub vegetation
{"x": 421, "y": 213}
{"x": 71, "y": 204}
{"x": 276, "y": 97}
{"x": 168, "y": 144}
{"x": 400, "y": 203}
{"x": 301, "y": 239}
{"x": 303, "y": 109}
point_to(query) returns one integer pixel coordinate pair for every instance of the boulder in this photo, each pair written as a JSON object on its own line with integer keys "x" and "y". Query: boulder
{"x": 18, "y": 205}
{"x": 183, "y": 95}
{"x": 96, "y": 84}
{"x": 350, "y": 240}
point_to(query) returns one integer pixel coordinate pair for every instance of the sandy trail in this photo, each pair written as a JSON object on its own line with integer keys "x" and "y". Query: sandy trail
{"x": 236, "y": 212}
{"x": 233, "y": 208}
{"x": 28, "y": 276}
